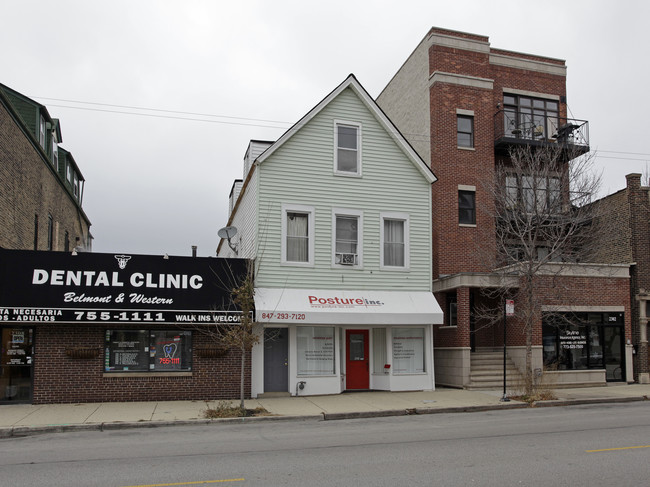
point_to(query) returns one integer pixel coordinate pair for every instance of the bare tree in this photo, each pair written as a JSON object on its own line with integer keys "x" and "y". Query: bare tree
{"x": 237, "y": 336}
{"x": 544, "y": 219}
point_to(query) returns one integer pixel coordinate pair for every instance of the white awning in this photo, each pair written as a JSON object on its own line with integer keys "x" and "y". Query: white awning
{"x": 318, "y": 306}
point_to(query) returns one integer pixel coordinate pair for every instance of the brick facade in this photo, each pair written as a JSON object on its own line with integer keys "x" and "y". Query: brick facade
{"x": 465, "y": 76}
{"x": 626, "y": 216}
{"x": 29, "y": 188}
{"x": 61, "y": 379}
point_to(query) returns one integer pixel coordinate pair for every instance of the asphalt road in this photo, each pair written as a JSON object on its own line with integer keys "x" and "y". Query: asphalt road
{"x": 600, "y": 445}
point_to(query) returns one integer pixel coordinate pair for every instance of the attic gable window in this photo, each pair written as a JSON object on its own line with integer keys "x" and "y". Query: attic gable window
{"x": 55, "y": 152}
{"x": 347, "y": 138}
{"x": 41, "y": 134}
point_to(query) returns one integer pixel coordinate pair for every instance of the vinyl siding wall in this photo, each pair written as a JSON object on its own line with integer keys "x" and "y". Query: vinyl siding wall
{"x": 245, "y": 221}
{"x": 301, "y": 172}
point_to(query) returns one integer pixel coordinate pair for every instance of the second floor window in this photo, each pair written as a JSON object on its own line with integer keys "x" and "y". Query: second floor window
{"x": 346, "y": 240}
{"x": 297, "y": 235}
{"x": 394, "y": 236}
{"x": 348, "y": 154}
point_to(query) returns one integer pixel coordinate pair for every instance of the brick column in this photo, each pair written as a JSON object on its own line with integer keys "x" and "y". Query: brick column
{"x": 639, "y": 205}
{"x": 463, "y": 330}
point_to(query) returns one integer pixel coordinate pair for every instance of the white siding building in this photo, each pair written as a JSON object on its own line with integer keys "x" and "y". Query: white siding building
{"x": 337, "y": 217}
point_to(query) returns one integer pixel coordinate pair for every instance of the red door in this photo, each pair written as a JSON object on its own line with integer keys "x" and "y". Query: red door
{"x": 357, "y": 363}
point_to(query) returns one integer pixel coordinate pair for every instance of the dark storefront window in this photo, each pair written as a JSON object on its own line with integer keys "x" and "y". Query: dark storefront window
{"x": 148, "y": 351}
{"x": 581, "y": 341}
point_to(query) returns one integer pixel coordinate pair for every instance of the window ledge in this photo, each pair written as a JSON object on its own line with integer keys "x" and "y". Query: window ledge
{"x": 347, "y": 174}
{"x": 466, "y": 148}
{"x": 448, "y": 327}
{"x": 315, "y": 376}
{"x": 394, "y": 269}
{"x": 467, "y": 225}
{"x": 118, "y": 373}
{"x": 296, "y": 264}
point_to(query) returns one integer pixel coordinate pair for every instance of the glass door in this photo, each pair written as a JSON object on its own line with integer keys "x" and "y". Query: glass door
{"x": 16, "y": 364}
{"x": 613, "y": 348}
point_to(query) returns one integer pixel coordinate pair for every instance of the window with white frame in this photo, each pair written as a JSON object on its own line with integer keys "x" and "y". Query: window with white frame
{"x": 347, "y": 138}
{"x": 379, "y": 355}
{"x": 315, "y": 350}
{"x": 297, "y": 235}
{"x": 408, "y": 351}
{"x": 395, "y": 240}
{"x": 347, "y": 237}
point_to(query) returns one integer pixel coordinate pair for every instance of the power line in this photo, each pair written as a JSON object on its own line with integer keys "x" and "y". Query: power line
{"x": 171, "y": 117}
{"x": 284, "y": 127}
{"x": 154, "y": 110}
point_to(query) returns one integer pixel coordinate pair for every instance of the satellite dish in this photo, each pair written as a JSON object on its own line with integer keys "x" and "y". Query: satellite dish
{"x": 228, "y": 233}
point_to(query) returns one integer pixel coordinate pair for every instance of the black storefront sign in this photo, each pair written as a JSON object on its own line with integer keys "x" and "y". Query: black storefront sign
{"x": 58, "y": 287}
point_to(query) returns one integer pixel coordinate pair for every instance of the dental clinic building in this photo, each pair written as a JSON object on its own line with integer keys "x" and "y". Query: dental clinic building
{"x": 91, "y": 327}
{"x": 336, "y": 215}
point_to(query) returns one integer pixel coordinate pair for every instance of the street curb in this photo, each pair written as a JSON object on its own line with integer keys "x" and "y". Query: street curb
{"x": 420, "y": 411}
{"x": 579, "y": 402}
{"x": 24, "y": 431}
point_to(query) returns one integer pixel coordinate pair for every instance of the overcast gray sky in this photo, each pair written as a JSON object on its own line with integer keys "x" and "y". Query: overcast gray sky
{"x": 215, "y": 74}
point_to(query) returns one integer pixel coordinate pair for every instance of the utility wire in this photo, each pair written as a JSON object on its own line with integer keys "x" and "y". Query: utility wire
{"x": 153, "y": 110}
{"x": 284, "y": 125}
{"x": 173, "y": 118}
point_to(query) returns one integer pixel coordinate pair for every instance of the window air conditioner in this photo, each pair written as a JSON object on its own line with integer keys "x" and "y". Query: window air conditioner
{"x": 347, "y": 259}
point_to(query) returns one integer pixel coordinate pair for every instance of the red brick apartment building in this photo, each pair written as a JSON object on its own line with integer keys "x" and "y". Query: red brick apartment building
{"x": 464, "y": 106}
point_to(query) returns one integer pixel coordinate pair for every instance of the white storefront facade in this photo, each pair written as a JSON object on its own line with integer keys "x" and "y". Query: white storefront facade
{"x": 327, "y": 342}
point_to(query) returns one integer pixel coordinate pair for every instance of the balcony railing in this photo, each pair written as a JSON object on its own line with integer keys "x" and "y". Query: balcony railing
{"x": 512, "y": 128}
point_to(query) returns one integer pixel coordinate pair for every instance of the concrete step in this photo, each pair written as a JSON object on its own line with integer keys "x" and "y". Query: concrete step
{"x": 486, "y": 371}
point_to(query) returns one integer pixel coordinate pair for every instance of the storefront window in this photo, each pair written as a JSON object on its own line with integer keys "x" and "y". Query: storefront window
{"x": 378, "y": 350}
{"x": 148, "y": 351}
{"x": 315, "y": 347}
{"x": 408, "y": 350}
{"x": 580, "y": 341}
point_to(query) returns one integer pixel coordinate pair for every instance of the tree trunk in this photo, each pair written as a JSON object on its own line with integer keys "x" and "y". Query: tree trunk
{"x": 530, "y": 322}
{"x": 241, "y": 378}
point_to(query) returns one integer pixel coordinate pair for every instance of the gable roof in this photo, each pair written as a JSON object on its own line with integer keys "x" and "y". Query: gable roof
{"x": 352, "y": 83}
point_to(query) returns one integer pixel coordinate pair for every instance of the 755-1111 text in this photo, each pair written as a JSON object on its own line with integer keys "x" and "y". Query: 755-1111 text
{"x": 121, "y": 316}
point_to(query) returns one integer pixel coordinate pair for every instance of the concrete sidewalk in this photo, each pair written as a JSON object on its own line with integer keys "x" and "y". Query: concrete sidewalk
{"x": 26, "y": 419}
